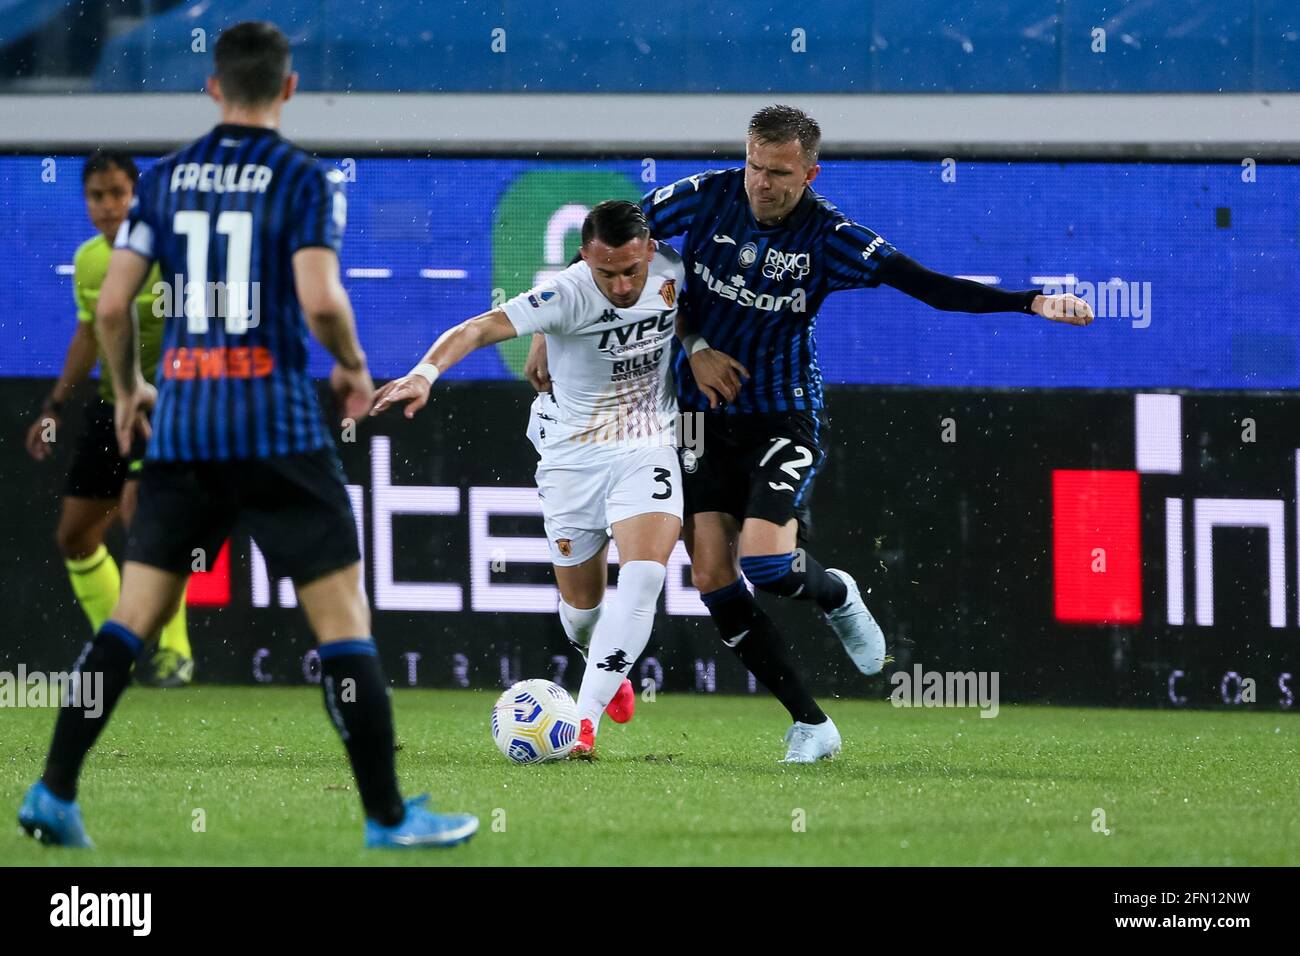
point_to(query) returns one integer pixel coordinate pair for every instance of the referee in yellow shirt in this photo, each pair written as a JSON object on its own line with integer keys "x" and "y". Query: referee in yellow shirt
{"x": 101, "y": 484}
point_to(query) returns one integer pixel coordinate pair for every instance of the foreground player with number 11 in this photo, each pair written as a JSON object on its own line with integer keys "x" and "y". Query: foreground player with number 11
{"x": 605, "y": 433}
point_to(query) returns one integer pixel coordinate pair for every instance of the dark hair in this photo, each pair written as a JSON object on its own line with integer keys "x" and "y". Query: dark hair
{"x": 103, "y": 160}
{"x": 614, "y": 222}
{"x": 780, "y": 124}
{"x": 252, "y": 61}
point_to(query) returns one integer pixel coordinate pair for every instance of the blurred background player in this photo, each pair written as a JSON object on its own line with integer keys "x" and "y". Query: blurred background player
{"x": 101, "y": 483}
{"x": 605, "y": 432}
{"x": 237, "y": 434}
{"x": 762, "y": 251}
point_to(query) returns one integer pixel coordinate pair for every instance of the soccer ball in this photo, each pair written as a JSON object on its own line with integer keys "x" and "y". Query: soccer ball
{"x": 535, "y": 720}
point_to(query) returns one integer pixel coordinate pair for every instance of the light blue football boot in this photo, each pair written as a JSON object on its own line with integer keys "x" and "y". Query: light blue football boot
{"x": 422, "y": 828}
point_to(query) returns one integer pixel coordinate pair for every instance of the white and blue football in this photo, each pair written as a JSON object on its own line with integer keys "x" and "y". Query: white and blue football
{"x": 535, "y": 720}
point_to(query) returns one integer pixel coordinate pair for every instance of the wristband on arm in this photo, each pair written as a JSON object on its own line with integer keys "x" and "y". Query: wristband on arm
{"x": 426, "y": 371}
{"x": 694, "y": 343}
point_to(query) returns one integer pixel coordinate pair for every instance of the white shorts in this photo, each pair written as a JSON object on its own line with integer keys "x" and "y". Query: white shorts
{"x": 586, "y": 488}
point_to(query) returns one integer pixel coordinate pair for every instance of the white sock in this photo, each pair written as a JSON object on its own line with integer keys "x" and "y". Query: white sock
{"x": 579, "y": 624}
{"x": 621, "y": 636}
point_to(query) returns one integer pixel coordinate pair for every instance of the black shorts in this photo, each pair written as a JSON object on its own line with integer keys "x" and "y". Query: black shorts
{"x": 296, "y": 508}
{"x": 97, "y": 470}
{"x": 756, "y": 466}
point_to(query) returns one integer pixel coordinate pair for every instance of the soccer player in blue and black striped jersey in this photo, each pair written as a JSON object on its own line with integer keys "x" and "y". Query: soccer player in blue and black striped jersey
{"x": 762, "y": 251}
{"x": 248, "y": 227}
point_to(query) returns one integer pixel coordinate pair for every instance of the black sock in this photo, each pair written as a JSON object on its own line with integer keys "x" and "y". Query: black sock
{"x": 105, "y": 671}
{"x": 356, "y": 699}
{"x": 754, "y": 638}
{"x": 777, "y": 574}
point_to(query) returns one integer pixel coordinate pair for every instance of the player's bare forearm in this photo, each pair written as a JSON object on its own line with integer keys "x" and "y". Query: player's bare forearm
{"x": 116, "y": 334}
{"x": 536, "y": 366}
{"x": 336, "y": 330}
{"x": 114, "y": 323}
{"x": 76, "y": 369}
{"x": 452, "y": 346}
{"x": 77, "y": 364}
{"x": 326, "y": 305}
{"x": 472, "y": 334}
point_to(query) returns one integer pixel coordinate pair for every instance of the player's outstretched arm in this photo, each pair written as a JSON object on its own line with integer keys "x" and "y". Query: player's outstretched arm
{"x": 452, "y": 346}
{"x": 77, "y": 365}
{"x": 951, "y": 294}
{"x": 115, "y": 327}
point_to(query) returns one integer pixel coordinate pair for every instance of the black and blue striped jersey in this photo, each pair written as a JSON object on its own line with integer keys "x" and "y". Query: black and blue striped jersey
{"x": 753, "y": 291}
{"x": 223, "y": 218}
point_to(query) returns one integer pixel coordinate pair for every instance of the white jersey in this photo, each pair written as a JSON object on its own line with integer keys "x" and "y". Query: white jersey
{"x": 610, "y": 368}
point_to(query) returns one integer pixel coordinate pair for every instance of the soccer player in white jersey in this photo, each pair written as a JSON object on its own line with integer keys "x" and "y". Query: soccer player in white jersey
{"x": 605, "y": 433}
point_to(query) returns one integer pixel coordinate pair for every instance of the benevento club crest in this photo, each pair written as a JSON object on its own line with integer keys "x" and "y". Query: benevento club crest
{"x": 669, "y": 292}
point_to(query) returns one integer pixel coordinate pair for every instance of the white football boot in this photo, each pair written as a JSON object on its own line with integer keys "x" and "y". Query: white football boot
{"x": 856, "y": 628}
{"x": 811, "y": 742}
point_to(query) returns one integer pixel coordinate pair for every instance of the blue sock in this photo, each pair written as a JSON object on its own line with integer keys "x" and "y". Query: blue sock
{"x": 777, "y": 574}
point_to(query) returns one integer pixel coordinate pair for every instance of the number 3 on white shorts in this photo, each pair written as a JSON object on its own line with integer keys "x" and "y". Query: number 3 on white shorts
{"x": 662, "y": 476}
{"x": 791, "y": 467}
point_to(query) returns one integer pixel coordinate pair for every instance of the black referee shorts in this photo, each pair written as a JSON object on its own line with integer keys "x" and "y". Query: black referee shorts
{"x": 758, "y": 465}
{"x": 295, "y": 507}
{"x": 97, "y": 470}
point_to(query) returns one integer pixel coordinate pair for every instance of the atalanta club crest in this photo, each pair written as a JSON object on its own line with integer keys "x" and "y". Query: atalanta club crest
{"x": 669, "y": 292}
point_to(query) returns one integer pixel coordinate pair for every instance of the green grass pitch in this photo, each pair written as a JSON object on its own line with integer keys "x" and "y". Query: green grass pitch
{"x": 692, "y": 780}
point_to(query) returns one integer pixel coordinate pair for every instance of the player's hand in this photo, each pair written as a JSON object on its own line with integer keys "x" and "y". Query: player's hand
{"x": 1067, "y": 308}
{"x": 354, "y": 390}
{"x": 37, "y": 446}
{"x": 718, "y": 375}
{"x": 131, "y": 416}
{"x": 412, "y": 389}
{"x": 535, "y": 368}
